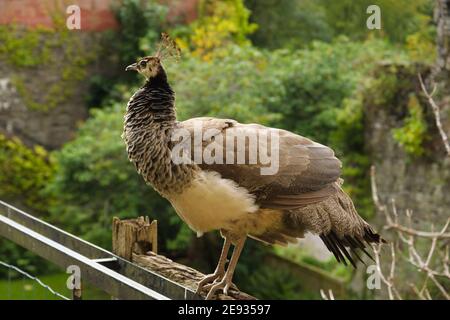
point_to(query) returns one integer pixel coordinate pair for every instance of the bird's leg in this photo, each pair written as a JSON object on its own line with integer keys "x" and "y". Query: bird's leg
{"x": 226, "y": 283}
{"x": 220, "y": 269}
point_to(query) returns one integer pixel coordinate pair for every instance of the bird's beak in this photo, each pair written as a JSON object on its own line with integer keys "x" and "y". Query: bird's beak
{"x": 131, "y": 67}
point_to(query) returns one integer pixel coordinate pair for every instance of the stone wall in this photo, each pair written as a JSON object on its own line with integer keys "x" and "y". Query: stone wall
{"x": 47, "y": 128}
{"x": 419, "y": 183}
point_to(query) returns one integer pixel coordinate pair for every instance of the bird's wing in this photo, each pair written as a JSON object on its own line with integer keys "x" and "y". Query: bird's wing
{"x": 306, "y": 169}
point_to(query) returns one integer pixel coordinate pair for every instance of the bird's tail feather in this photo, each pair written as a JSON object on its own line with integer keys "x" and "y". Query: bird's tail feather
{"x": 340, "y": 227}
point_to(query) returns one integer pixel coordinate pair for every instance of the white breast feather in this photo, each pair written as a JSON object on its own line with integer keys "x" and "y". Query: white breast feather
{"x": 211, "y": 202}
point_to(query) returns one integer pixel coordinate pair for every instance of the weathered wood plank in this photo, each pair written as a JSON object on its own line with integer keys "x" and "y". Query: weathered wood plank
{"x": 133, "y": 239}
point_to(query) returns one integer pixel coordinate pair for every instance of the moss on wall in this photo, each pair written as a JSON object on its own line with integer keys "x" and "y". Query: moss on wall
{"x": 59, "y": 51}
{"x": 392, "y": 89}
{"x": 413, "y": 133}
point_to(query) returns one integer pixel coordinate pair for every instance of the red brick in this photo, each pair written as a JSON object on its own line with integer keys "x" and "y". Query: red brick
{"x": 96, "y": 15}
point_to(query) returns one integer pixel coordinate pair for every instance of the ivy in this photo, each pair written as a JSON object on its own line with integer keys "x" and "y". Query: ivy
{"x": 412, "y": 134}
{"x": 58, "y": 50}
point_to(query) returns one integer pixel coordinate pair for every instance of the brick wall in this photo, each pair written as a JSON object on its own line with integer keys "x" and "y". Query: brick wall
{"x": 96, "y": 15}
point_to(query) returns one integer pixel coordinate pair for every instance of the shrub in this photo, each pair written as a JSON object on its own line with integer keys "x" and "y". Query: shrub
{"x": 24, "y": 172}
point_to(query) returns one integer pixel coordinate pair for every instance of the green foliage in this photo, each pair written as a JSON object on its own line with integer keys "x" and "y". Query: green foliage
{"x": 21, "y": 288}
{"x": 392, "y": 88}
{"x": 26, "y": 50}
{"x": 300, "y": 91}
{"x": 22, "y": 258}
{"x": 399, "y": 18}
{"x": 288, "y": 23}
{"x": 60, "y": 51}
{"x": 220, "y": 24}
{"x": 231, "y": 86}
{"x": 24, "y": 173}
{"x": 413, "y": 132}
{"x": 317, "y": 80}
{"x": 297, "y": 23}
{"x": 373, "y": 90}
{"x": 278, "y": 284}
{"x": 141, "y": 23}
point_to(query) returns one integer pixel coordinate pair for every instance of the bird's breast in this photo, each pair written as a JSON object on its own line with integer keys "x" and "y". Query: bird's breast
{"x": 210, "y": 202}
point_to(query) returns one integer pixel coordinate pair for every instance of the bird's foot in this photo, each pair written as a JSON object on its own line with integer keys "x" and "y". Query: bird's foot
{"x": 225, "y": 284}
{"x": 210, "y": 285}
{"x": 209, "y": 280}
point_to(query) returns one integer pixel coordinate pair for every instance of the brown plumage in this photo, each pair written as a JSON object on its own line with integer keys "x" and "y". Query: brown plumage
{"x": 306, "y": 191}
{"x": 303, "y": 195}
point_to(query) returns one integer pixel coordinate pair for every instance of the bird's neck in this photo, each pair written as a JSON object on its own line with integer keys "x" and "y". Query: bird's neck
{"x": 148, "y": 127}
{"x": 159, "y": 99}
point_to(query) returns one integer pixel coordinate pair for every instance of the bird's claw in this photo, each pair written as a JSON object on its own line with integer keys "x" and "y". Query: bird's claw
{"x": 209, "y": 280}
{"x": 224, "y": 284}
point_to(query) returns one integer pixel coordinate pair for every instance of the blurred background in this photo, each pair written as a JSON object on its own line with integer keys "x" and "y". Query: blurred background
{"x": 309, "y": 66}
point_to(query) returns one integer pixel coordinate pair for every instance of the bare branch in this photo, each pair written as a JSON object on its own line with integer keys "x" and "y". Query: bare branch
{"x": 388, "y": 281}
{"x": 408, "y": 235}
{"x": 413, "y": 232}
{"x": 437, "y": 114}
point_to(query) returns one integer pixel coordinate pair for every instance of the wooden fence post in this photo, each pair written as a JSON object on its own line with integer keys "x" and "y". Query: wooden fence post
{"x": 136, "y": 240}
{"x": 134, "y": 235}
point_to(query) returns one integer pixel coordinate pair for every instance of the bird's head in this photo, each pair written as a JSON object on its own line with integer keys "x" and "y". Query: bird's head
{"x": 151, "y": 66}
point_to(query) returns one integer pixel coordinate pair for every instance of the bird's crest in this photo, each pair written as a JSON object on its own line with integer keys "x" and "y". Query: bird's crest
{"x": 167, "y": 48}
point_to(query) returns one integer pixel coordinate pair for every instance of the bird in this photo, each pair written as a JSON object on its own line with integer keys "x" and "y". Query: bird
{"x": 303, "y": 195}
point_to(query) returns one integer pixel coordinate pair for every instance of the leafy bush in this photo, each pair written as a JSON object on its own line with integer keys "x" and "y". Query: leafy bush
{"x": 296, "y": 24}
{"x": 24, "y": 172}
{"x": 139, "y": 21}
{"x": 237, "y": 86}
{"x": 220, "y": 24}
{"x": 399, "y": 18}
{"x": 278, "y": 284}
{"x": 288, "y": 23}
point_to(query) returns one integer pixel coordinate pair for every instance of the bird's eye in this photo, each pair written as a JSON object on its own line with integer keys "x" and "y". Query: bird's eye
{"x": 143, "y": 63}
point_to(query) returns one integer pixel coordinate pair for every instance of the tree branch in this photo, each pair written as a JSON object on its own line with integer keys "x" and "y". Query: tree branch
{"x": 408, "y": 235}
{"x": 437, "y": 115}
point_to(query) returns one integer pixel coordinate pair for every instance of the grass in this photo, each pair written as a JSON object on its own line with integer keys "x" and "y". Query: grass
{"x": 23, "y": 288}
